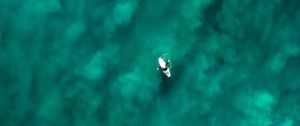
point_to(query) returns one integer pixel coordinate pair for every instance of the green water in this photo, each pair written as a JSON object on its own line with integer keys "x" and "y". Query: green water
{"x": 93, "y": 62}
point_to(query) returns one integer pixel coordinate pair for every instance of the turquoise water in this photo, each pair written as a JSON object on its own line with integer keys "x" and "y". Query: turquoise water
{"x": 93, "y": 62}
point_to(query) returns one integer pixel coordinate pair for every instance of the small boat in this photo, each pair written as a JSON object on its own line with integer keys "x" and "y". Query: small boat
{"x": 164, "y": 65}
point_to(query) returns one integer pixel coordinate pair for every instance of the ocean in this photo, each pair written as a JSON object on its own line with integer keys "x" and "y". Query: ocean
{"x": 94, "y": 62}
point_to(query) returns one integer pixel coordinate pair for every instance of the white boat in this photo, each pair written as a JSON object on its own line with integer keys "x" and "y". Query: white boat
{"x": 164, "y": 66}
